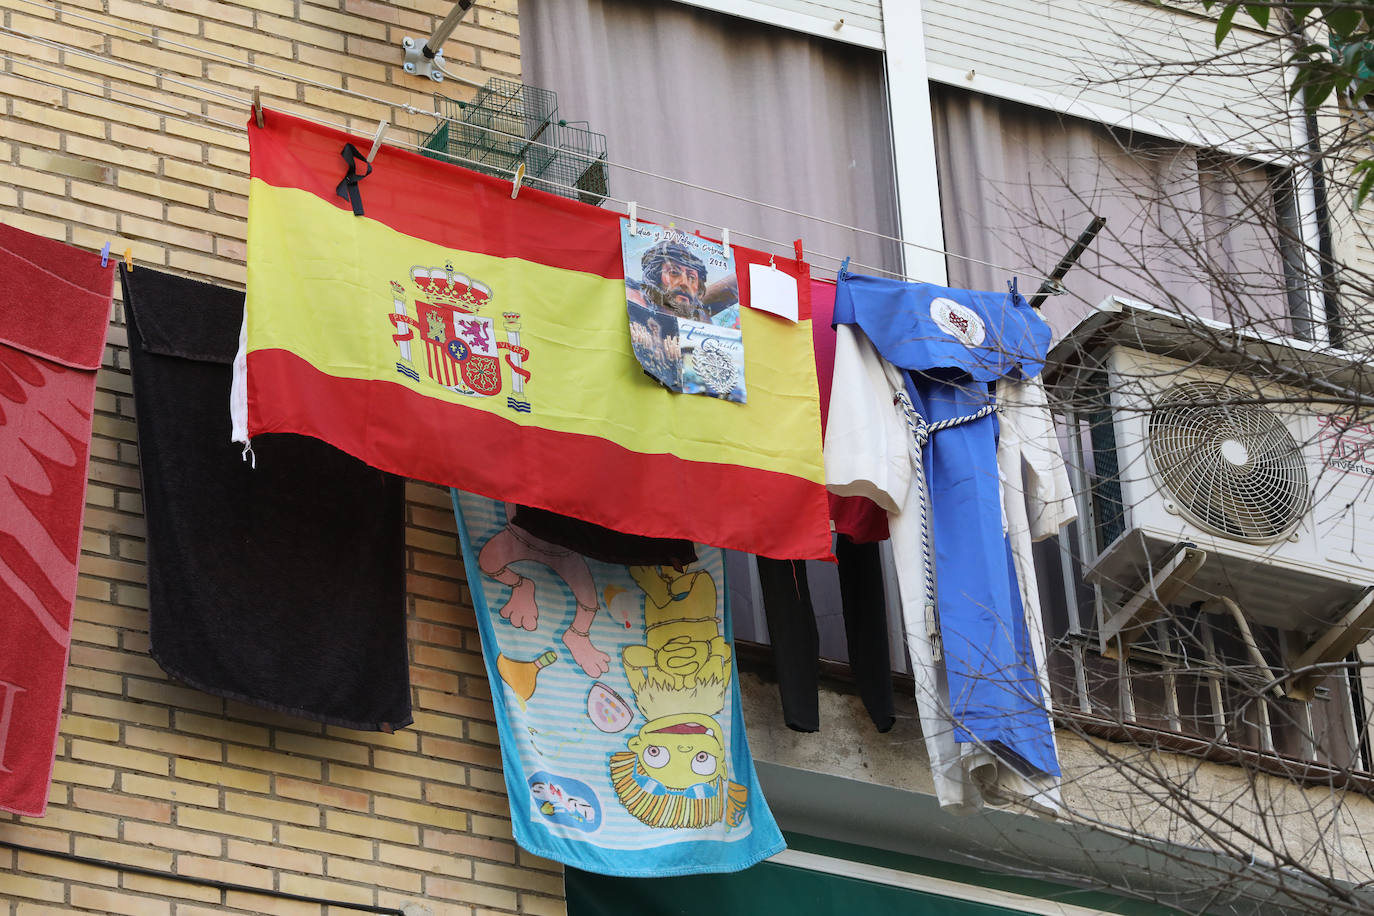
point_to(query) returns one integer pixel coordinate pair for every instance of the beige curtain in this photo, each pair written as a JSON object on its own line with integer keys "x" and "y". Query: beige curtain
{"x": 1186, "y": 230}
{"x": 726, "y": 103}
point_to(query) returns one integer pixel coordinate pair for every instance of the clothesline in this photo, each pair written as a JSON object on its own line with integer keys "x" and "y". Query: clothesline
{"x": 187, "y": 116}
{"x": 411, "y": 109}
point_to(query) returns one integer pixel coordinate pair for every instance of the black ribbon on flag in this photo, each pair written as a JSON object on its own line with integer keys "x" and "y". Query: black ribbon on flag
{"x": 348, "y": 188}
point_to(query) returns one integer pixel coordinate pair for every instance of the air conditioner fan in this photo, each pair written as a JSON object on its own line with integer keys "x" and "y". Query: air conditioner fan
{"x": 1231, "y": 467}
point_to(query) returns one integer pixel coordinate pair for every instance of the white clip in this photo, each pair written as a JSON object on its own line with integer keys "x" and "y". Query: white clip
{"x": 772, "y": 262}
{"x": 633, "y": 207}
{"x": 377, "y": 141}
{"x": 519, "y": 180}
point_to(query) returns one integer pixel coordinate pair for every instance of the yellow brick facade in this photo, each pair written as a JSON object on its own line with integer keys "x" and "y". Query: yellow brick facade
{"x": 151, "y": 774}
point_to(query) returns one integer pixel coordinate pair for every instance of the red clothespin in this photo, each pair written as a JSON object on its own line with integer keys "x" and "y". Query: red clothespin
{"x": 797, "y": 245}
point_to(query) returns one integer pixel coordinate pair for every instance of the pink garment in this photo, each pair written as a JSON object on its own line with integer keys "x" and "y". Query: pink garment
{"x": 856, "y": 516}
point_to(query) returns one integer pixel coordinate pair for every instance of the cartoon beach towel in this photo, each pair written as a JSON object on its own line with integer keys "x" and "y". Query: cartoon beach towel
{"x": 617, "y": 704}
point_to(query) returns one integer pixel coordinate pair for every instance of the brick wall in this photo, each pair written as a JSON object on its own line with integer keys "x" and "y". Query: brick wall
{"x": 150, "y": 773}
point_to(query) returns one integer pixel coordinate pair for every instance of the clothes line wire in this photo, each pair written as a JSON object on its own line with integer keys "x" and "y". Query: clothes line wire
{"x": 187, "y": 116}
{"x": 228, "y": 128}
{"x": 177, "y": 114}
{"x": 91, "y": 55}
{"x": 411, "y": 109}
{"x": 247, "y": 101}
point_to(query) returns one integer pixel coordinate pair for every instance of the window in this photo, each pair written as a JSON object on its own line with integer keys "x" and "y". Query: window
{"x": 1187, "y": 229}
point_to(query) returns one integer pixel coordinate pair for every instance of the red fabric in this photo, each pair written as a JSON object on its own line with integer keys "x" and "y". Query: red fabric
{"x": 536, "y": 226}
{"x": 773, "y": 514}
{"x": 54, "y": 309}
{"x": 551, "y": 464}
{"x": 856, "y": 516}
{"x": 799, "y": 271}
{"x": 39, "y": 275}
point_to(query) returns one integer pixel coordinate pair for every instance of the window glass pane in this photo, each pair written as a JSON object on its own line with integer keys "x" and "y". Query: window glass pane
{"x": 1186, "y": 229}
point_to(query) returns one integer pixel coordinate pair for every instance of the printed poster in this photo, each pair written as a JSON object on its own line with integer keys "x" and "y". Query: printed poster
{"x": 617, "y": 704}
{"x": 682, "y": 297}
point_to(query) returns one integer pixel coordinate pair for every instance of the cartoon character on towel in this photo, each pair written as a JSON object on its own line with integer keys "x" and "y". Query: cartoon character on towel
{"x": 512, "y": 544}
{"x": 674, "y": 773}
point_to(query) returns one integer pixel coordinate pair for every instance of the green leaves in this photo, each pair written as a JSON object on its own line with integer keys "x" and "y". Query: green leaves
{"x": 1365, "y": 172}
{"x": 1329, "y": 48}
{"x": 1344, "y": 18}
{"x": 1224, "y": 23}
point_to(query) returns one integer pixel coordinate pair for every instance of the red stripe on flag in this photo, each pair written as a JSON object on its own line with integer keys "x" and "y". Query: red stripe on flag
{"x": 438, "y": 201}
{"x": 452, "y": 206}
{"x": 583, "y": 476}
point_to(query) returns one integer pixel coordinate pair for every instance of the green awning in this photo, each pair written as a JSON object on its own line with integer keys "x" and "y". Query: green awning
{"x": 764, "y": 889}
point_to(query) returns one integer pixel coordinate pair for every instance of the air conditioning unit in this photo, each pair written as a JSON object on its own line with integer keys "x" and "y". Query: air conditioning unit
{"x": 1211, "y": 485}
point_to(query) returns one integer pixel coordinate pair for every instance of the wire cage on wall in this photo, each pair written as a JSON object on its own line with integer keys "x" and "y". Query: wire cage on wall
{"x": 508, "y": 123}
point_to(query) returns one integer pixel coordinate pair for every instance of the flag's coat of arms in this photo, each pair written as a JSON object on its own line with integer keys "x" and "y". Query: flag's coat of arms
{"x": 455, "y": 335}
{"x": 461, "y": 349}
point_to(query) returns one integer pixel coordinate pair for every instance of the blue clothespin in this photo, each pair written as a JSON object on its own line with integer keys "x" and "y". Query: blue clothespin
{"x": 105, "y": 255}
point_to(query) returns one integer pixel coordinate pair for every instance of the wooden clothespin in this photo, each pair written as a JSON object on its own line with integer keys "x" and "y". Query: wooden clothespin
{"x": 519, "y": 180}
{"x": 377, "y": 142}
{"x": 257, "y": 105}
{"x": 129, "y": 259}
{"x": 105, "y": 255}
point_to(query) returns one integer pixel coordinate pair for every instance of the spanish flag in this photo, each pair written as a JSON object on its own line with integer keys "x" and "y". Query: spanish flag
{"x": 455, "y": 335}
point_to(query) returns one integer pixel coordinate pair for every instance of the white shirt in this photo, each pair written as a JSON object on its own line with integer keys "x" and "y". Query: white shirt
{"x": 868, "y": 453}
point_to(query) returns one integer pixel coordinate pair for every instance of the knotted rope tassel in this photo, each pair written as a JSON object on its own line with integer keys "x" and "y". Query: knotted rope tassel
{"x": 921, "y": 433}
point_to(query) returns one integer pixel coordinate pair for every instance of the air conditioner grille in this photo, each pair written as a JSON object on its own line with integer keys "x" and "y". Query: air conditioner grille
{"x": 1232, "y": 467}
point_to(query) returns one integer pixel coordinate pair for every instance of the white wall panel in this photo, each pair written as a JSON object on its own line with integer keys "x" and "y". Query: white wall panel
{"x": 857, "y": 22}
{"x": 1083, "y": 57}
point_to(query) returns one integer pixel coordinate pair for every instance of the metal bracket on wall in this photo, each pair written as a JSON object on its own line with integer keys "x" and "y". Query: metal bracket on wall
{"x": 1052, "y": 286}
{"x": 1149, "y": 602}
{"x": 427, "y": 59}
{"x": 1332, "y": 646}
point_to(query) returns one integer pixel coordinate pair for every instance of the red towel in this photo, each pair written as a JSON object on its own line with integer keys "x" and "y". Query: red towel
{"x": 54, "y": 309}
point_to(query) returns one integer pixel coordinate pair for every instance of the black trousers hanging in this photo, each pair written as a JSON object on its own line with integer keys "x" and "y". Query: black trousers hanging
{"x": 796, "y": 643}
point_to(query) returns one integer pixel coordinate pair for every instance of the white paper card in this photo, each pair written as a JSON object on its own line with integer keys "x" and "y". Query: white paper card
{"x": 771, "y": 290}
